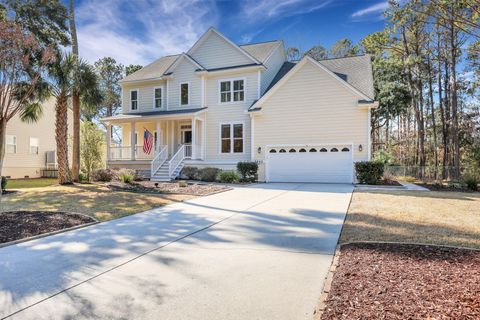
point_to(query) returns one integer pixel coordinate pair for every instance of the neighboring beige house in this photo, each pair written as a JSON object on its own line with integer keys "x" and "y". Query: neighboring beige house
{"x": 221, "y": 103}
{"x": 30, "y": 147}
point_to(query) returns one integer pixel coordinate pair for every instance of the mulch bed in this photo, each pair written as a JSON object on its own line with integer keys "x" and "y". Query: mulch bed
{"x": 17, "y": 225}
{"x": 197, "y": 189}
{"x": 444, "y": 187}
{"x": 396, "y": 281}
{"x": 384, "y": 183}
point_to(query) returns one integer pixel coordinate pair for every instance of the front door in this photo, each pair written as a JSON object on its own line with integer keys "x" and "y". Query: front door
{"x": 187, "y": 137}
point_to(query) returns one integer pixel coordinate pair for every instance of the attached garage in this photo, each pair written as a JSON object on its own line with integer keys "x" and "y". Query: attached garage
{"x": 328, "y": 163}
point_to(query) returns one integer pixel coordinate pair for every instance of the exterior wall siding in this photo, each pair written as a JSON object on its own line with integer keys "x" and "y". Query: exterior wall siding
{"x": 184, "y": 72}
{"x": 215, "y": 52}
{"x": 273, "y": 64}
{"x": 145, "y": 96}
{"x": 23, "y": 163}
{"x": 311, "y": 107}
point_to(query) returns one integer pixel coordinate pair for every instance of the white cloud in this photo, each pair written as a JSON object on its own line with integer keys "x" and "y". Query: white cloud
{"x": 374, "y": 9}
{"x": 261, "y": 10}
{"x": 141, "y": 31}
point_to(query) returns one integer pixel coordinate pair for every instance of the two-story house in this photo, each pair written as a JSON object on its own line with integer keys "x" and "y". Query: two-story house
{"x": 221, "y": 103}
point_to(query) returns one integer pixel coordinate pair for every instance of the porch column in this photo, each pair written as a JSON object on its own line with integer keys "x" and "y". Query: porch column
{"x": 159, "y": 132}
{"x": 194, "y": 140}
{"x": 132, "y": 140}
{"x": 109, "y": 138}
{"x": 204, "y": 138}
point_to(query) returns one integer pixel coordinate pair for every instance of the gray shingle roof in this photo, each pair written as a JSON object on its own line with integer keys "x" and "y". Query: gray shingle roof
{"x": 358, "y": 71}
{"x": 152, "y": 70}
{"x": 261, "y": 51}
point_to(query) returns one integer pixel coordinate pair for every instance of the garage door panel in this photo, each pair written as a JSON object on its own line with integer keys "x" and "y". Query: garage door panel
{"x": 328, "y": 167}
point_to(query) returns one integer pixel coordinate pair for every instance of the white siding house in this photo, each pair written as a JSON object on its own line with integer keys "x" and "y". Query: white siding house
{"x": 221, "y": 103}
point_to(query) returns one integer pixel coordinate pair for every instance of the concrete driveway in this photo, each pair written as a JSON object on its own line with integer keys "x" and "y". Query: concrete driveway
{"x": 257, "y": 252}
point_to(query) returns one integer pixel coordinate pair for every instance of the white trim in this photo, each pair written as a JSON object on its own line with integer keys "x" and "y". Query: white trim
{"x": 294, "y": 70}
{"x": 252, "y": 145}
{"x": 202, "y": 91}
{"x": 231, "y": 123}
{"x": 308, "y": 144}
{"x": 30, "y": 145}
{"x": 369, "y": 130}
{"x": 7, "y": 144}
{"x": 130, "y": 99}
{"x": 141, "y": 80}
{"x": 180, "y": 94}
{"x": 166, "y": 84}
{"x": 126, "y": 117}
{"x": 259, "y": 83}
{"x": 207, "y": 34}
{"x": 161, "y": 97}
{"x": 231, "y": 80}
{"x": 179, "y": 59}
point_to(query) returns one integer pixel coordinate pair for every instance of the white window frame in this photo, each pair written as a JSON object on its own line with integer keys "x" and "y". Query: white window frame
{"x": 232, "y": 139}
{"x": 180, "y": 94}
{"x": 130, "y": 99}
{"x": 155, "y": 99}
{"x": 30, "y": 145}
{"x": 231, "y": 80}
{"x": 7, "y": 144}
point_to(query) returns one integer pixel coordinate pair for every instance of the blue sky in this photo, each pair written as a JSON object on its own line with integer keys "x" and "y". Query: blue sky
{"x": 140, "y": 31}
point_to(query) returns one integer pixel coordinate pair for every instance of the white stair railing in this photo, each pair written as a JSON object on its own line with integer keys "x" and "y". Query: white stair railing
{"x": 176, "y": 160}
{"x": 159, "y": 159}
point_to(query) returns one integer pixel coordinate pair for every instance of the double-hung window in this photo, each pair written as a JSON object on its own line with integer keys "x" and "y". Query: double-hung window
{"x": 232, "y": 90}
{"x": 34, "y": 145}
{"x": 157, "y": 98}
{"x": 11, "y": 144}
{"x": 231, "y": 137}
{"x": 134, "y": 100}
{"x": 184, "y": 94}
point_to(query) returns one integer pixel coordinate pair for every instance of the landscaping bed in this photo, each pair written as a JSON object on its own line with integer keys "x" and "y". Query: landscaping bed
{"x": 401, "y": 281}
{"x": 445, "y": 187}
{"x": 17, "y": 225}
{"x": 175, "y": 187}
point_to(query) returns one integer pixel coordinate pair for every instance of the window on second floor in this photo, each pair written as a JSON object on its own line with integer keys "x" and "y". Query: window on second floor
{"x": 34, "y": 145}
{"x": 232, "y": 90}
{"x": 133, "y": 99}
{"x": 11, "y": 144}
{"x": 157, "y": 98}
{"x": 184, "y": 94}
{"x": 231, "y": 138}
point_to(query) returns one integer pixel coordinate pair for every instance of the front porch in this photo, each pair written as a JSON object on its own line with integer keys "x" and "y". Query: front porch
{"x": 174, "y": 139}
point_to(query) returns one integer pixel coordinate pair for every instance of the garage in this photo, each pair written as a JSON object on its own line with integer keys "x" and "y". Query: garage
{"x": 330, "y": 163}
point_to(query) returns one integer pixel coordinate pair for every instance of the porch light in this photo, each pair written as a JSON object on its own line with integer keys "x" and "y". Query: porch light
{"x": 360, "y": 148}
{"x": 259, "y": 150}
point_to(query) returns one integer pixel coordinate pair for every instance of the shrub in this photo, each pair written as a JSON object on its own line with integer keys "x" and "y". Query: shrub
{"x": 229, "y": 176}
{"x": 471, "y": 181}
{"x": 248, "y": 171}
{"x": 4, "y": 183}
{"x": 190, "y": 172}
{"x": 104, "y": 175}
{"x": 82, "y": 177}
{"x": 369, "y": 172}
{"x": 182, "y": 184}
{"x": 126, "y": 177}
{"x": 208, "y": 174}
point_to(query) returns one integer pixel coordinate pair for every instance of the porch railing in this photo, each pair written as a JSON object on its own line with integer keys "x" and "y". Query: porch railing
{"x": 159, "y": 159}
{"x": 176, "y": 160}
{"x": 141, "y": 155}
{"x": 120, "y": 153}
{"x": 188, "y": 150}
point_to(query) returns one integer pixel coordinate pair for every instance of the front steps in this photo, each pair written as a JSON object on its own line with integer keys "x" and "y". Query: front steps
{"x": 162, "y": 174}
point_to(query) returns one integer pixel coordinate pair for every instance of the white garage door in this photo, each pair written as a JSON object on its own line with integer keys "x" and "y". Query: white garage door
{"x": 328, "y": 164}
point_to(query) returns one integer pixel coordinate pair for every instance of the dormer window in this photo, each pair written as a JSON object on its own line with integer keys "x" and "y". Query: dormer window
{"x": 232, "y": 90}
{"x": 184, "y": 94}
{"x": 157, "y": 98}
{"x": 133, "y": 99}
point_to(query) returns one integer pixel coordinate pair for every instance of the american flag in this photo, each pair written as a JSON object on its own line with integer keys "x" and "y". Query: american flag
{"x": 147, "y": 141}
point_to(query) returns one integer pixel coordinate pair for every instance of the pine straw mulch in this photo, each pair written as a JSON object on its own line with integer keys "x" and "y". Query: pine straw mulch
{"x": 17, "y": 225}
{"x": 402, "y": 281}
{"x": 174, "y": 187}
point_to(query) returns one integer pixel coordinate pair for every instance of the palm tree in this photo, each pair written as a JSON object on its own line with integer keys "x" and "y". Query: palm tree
{"x": 66, "y": 76}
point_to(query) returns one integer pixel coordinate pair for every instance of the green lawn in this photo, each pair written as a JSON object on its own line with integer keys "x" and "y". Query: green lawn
{"x": 30, "y": 183}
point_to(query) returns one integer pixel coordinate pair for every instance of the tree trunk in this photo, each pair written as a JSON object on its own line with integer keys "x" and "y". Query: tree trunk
{"x": 447, "y": 141}
{"x": 455, "y": 139}
{"x": 61, "y": 138}
{"x": 3, "y": 136}
{"x": 434, "y": 124}
{"x": 75, "y": 100}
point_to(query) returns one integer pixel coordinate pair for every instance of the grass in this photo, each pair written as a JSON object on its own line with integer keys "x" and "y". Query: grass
{"x": 442, "y": 218}
{"x": 94, "y": 200}
{"x": 30, "y": 183}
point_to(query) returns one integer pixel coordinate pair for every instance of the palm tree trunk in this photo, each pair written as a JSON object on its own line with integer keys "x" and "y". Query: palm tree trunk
{"x": 61, "y": 138}
{"x": 75, "y": 100}
{"x": 3, "y": 135}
